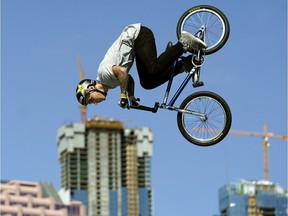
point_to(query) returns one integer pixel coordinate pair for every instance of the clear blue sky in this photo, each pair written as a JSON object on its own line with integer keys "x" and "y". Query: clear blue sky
{"x": 40, "y": 42}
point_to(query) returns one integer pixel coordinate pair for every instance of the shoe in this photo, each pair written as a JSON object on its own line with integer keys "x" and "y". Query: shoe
{"x": 191, "y": 42}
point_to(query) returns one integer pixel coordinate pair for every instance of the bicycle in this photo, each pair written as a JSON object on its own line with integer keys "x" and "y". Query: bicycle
{"x": 204, "y": 118}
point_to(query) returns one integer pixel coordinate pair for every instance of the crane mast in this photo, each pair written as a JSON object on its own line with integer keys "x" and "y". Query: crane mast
{"x": 265, "y": 136}
{"x": 83, "y": 109}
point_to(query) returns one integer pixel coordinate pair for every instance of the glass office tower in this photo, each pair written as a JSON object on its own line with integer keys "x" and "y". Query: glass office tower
{"x": 252, "y": 198}
{"x": 106, "y": 167}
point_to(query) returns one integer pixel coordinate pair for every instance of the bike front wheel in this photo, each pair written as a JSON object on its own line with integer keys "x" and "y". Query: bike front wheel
{"x": 209, "y": 130}
{"x": 212, "y": 20}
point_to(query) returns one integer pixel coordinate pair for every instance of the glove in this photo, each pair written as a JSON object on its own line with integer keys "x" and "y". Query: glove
{"x": 123, "y": 102}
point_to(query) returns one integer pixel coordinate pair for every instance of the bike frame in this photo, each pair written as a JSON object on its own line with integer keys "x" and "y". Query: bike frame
{"x": 195, "y": 74}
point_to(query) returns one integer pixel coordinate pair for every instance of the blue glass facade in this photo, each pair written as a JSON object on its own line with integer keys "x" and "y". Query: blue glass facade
{"x": 124, "y": 201}
{"x": 145, "y": 200}
{"x": 113, "y": 202}
{"x": 80, "y": 195}
{"x": 252, "y": 198}
{"x": 232, "y": 203}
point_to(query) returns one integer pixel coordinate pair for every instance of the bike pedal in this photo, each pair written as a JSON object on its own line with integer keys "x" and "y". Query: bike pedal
{"x": 198, "y": 84}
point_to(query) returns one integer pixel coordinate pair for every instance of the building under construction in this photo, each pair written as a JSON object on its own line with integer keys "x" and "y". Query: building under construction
{"x": 106, "y": 167}
{"x": 252, "y": 198}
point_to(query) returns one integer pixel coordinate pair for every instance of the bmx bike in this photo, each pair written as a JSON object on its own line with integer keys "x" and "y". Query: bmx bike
{"x": 204, "y": 118}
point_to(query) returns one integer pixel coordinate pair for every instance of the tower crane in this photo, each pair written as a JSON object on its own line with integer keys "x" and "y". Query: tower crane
{"x": 265, "y": 135}
{"x": 83, "y": 109}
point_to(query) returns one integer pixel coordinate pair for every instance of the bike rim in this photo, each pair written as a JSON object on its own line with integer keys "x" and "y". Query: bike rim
{"x": 213, "y": 24}
{"x": 212, "y": 127}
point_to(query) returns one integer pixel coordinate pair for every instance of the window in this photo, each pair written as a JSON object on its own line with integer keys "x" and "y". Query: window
{"x": 268, "y": 211}
{"x": 59, "y": 206}
{"x": 73, "y": 210}
{"x": 8, "y": 213}
{"x": 38, "y": 205}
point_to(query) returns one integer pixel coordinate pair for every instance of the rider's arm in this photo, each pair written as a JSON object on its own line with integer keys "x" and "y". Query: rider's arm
{"x": 130, "y": 90}
{"x": 126, "y": 84}
{"x": 123, "y": 77}
{"x": 130, "y": 87}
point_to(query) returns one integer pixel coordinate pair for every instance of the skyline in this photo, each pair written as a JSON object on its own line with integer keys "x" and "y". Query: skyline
{"x": 41, "y": 41}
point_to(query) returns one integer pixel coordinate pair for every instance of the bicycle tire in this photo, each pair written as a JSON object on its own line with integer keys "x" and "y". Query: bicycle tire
{"x": 210, "y": 131}
{"x": 217, "y": 28}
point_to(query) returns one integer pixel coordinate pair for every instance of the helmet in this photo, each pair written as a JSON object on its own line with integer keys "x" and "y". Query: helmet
{"x": 82, "y": 90}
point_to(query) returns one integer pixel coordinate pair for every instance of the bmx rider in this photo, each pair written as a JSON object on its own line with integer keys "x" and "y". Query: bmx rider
{"x": 136, "y": 42}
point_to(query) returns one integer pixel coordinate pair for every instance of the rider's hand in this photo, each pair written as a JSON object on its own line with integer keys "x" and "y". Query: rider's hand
{"x": 123, "y": 102}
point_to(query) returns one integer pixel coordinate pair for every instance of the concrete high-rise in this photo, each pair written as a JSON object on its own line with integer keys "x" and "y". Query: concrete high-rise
{"x": 252, "y": 198}
{"x": 106, "y": 167}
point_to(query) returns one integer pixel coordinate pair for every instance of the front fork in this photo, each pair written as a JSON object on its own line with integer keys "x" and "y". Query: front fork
{"x": 197, "y": 61}
{"x": 201, "y": 33}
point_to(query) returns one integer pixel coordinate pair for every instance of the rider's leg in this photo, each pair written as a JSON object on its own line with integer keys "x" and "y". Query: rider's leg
{"x": 154, "y": 71}
{"x": 150, "y": 82}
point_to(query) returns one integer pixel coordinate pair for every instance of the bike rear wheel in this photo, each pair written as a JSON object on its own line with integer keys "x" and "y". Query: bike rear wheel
{"x": 212, "y": 129}
{"x": 215, "y": 24}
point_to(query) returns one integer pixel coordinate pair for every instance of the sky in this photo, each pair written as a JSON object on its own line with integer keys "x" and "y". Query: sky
{"x": 40, "y": 41}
